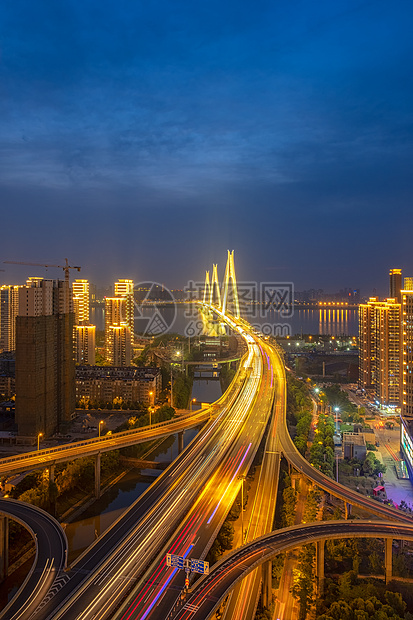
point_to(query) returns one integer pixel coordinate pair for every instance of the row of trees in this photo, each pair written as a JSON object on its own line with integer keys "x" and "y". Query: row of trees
{"x": 338, "y": 398}
{"x": 322, "y": 448}
{"x": 74, "y": 476}
{"x": 299, "y": 411}
{"x": 350, "y": 598}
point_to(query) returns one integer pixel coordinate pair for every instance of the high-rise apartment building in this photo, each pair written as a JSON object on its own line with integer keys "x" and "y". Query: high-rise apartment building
{"x": 118, "y": 349}
{"x": 125, "y": 289}
{"x": 381, "y": 349}
{"x": 406, "y": 426}
{"x": 9, "y": 309}
{"x": 85, "y": 343}
{"x": 395, "y": 284}
{"x": 80, "y": 290}
{"x": 45, "y": 368}
{"x": 117, "y": 332}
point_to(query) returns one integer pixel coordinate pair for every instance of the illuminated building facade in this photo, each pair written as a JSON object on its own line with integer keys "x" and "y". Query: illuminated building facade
{"x": 406, "y": 426}
{"x": 381, "y": 350}
{"x": 9, "y": 309}
{"x": 85, "y": 343}
{"x": 395, "y": 284}
{"x": 80, "y": 290}
{"x": 124, "y": 288}
{"x": 45, "y": 367}
{"x": 103, "y": 384}
{"x": 117, "y": 332}
{"x": 118, "y": 345}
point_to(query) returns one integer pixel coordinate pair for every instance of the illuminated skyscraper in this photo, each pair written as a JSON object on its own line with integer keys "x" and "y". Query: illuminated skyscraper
{"x": 118, "y": 346}
{"x": 117, "y": 332}
{"x": 381, "y": 349}
{"x": 9, "y": 309}
{"x": 85, "y": 341}
{"x": 406, "y": 427}
{"x": 125, "y": 288}
{"x": 395, "y": 284}
{"x": 408, "y": 284}
{"x": 80, "y": 290}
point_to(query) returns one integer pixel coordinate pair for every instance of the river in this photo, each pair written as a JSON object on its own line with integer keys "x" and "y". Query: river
{"x": 180, "y": 319}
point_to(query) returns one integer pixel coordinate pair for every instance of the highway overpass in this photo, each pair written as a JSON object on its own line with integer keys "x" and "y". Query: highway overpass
{"x": 50, "y": 561}
{"x": 204, "y": 598}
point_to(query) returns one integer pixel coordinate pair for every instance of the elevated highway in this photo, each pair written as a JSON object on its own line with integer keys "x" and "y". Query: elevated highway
{"x": 50, "y": 560}
{"x": 183, "y": 510}
{"x": 100, "y": 578}
{"x": 206, "y": 595}
{"x": 303, "y": 467}
{"x": 39, "y": 459}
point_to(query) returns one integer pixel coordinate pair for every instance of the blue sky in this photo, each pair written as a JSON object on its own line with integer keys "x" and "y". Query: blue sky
{"x": 143, "y": 139}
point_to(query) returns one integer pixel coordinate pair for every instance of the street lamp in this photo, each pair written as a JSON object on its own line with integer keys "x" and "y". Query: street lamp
{"x": 242, "y": 478}
{"x": 336, "y": 409}
{"x": 150, "y": 409}
{"x": 100, "y": 423}
{"x": 38, "y": 441}
{"x": 193, "y": 400}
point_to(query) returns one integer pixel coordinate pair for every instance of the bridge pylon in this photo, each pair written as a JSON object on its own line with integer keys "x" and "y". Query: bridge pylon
{"x": 215, "y": 296}
{"x": 207, "y": 289}
{"x": 230, "y": 276}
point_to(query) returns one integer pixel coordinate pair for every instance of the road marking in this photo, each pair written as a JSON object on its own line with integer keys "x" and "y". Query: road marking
{"x": 56, "y": 586}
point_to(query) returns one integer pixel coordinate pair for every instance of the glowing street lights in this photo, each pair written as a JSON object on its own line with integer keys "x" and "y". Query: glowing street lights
{"x": 193, "y": 400}
{"x": 38, "y": 441}
{"x": 100, "y": 425}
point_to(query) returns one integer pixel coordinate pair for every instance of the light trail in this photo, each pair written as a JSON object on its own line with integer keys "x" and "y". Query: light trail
{"x": 229, "y": 483}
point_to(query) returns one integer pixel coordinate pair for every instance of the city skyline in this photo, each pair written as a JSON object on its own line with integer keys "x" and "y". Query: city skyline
{"x": 144, "y": 140}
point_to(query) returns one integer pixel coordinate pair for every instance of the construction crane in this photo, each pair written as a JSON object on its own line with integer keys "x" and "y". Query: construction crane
{"x": 64, "y": 267}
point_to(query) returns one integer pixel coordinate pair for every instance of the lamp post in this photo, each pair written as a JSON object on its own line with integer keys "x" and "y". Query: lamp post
{"x": 242, "y": 478}
{"x": 100, "y": 423}
{"x": 150, "y": 408}
{"x": 336, "y": 409}
{"x": 38, "y": 441}
{"x": 193, "y": 400}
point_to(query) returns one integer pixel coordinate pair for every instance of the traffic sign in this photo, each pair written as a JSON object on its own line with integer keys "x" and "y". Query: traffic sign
{"x": 177, "y": 561}
{"x": 190, "y": 565}
{"x": 199, "y": 566}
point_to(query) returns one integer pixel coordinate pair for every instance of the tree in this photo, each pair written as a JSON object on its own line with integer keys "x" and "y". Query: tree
{"x": 394, "y": 599}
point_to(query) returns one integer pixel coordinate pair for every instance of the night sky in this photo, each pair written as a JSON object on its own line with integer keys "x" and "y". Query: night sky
{"x": 144, "y": 139}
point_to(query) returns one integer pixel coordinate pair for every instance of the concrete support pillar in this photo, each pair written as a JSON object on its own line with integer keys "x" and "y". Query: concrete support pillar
{"x": 97, "y": 476}
{"x": 180, "y": 442}
{"x": 388, "y": 559}
{"x": 347, "y": 510}
{"x": 4, "y": 547}
{"x": 51, "y": 473}
{"x": 320, "y": 567}
{"x": 295, "y": 479}
{"x": 267, "y": 584}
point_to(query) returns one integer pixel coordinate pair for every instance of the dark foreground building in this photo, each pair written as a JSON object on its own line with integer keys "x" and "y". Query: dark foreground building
{"x": 45, "y": 367}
